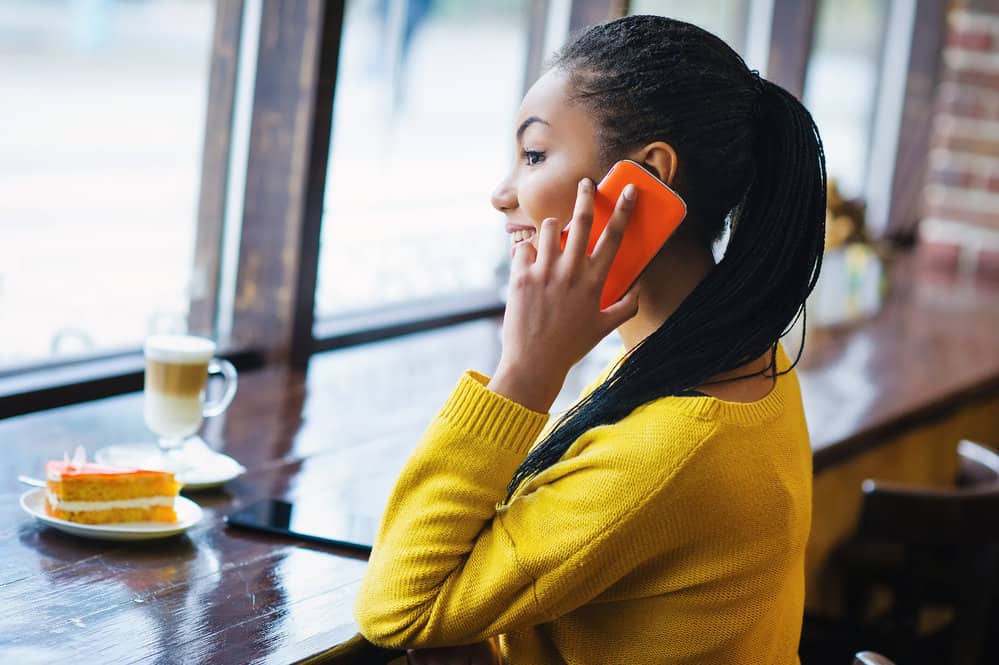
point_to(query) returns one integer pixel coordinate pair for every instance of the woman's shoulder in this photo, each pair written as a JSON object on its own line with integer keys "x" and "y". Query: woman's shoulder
{"x": 677, "y": 424}
{"x": 757, "y": 393}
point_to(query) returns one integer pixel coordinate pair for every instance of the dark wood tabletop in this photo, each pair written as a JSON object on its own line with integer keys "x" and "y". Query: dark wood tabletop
{"x": 337, "y": 435}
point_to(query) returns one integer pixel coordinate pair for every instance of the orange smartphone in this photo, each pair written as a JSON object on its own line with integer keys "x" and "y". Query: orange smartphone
{"x": 656, "y": 215}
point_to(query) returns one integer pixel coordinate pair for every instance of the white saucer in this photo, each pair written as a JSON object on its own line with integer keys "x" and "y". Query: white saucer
{"x": 208, "y": 468}
{"x": 188, "y": 514}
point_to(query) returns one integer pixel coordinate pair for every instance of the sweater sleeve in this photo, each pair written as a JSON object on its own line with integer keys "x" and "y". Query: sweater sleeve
{"x": 451, "y": 565}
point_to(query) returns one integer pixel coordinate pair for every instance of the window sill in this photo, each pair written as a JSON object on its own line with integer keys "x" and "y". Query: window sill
{"x": 52, "y": 385}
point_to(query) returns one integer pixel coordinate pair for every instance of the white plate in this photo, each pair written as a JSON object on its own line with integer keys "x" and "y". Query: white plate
{"x": 208, "y": 468}
{"x": 188, "y": 514}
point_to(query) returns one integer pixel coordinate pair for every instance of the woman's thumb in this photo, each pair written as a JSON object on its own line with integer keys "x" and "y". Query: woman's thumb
{"x": 524, "y": 254}
{"x": 623, "y": 309}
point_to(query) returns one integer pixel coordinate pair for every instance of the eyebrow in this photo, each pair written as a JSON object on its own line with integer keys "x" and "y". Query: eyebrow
{"x": 527, "y": 123}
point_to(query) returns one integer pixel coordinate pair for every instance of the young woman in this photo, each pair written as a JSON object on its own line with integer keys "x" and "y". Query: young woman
{"x": 663, "y": 519}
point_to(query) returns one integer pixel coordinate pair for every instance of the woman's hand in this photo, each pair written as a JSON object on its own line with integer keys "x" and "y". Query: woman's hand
{"x": 481, "y": 653}
{"x": 553, "y": 316}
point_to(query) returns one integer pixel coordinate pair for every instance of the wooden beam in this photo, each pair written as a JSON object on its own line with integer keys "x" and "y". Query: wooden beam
{"x": 203, "y": 306}
{"x": 592, "y": 12}
{"x": 620, "y": 8}
{"x": 791, "y": 35}
{"x": 911, "y": 155}
{"x": 286, "y": 177}
{"x": 537, "y": 23}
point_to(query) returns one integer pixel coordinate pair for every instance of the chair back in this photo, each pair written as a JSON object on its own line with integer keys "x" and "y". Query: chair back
{"x": 964, "y": 515}
{"x": 871, "y": 658}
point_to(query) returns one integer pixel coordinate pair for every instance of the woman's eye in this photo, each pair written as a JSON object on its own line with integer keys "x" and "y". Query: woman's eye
{"x": 533, "y": 157}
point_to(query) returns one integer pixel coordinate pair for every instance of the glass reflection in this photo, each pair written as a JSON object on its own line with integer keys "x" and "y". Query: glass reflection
{"x": 425, "y": 95}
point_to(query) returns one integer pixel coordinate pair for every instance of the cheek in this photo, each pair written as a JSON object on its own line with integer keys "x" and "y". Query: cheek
{"x": 548, "y": 195}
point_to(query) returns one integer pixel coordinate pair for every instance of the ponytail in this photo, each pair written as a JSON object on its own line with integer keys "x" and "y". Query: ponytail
{"x": 754, "y": 158}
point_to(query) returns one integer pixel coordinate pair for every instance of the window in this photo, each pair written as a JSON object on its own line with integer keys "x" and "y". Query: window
{"x": 422, "y": 132}
{"x": 724, "y": 18}
{"x": 841, "y": 85}
{"x": 99, "y": 183}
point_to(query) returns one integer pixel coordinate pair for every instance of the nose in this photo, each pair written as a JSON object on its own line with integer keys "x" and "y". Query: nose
{"x": 504, "y": 197}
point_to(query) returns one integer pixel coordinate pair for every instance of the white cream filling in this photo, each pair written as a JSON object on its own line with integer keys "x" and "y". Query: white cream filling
{"x": 76, "y": 506}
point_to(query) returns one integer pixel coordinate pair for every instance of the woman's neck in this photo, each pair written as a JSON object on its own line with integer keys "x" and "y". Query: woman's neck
{"x": 665, "y": 284}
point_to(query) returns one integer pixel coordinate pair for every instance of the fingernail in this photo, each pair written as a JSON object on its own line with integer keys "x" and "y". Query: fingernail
{"x": 584, "y": 184}
{"x": 629, "y": 193}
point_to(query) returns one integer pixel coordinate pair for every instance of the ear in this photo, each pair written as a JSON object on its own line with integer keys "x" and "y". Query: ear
{"x": 660, "y": 157}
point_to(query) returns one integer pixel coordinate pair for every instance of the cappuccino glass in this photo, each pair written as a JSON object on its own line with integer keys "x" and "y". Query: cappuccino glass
{"x": 177, "y": 370}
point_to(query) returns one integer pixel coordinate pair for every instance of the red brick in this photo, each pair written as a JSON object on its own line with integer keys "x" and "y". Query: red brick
{"x": 987, "y": 78}
{"x": 969, "y": 101}
{"x": 939, "y": 251}
{"x": 938, "y": 255}
{"x": 966, "y": 106}
{"x": 994, "y": 182}
{"x": 952, "y": 176}
{"x": 974, "y": 144}
{"x": 949, "y": 209}
{"x": 988, "y": 264}
{"x": 977, "y": 38}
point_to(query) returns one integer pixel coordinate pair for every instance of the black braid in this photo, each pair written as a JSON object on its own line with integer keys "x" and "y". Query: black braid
{"x": 749, "y": 155}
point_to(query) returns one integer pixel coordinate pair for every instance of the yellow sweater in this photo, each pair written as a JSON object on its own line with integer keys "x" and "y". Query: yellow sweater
{"x": 676, "y": 535}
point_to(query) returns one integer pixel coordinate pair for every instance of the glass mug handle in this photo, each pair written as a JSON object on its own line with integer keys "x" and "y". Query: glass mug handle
{"x": 228, "y": 372}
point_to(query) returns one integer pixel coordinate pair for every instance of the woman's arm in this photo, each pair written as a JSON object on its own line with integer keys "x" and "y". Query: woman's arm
{"x": 452, "y": 566}
{"x": 424, "y": 586}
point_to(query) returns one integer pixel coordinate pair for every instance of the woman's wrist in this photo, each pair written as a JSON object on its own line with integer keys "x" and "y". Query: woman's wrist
{"x": 525, "y": 388}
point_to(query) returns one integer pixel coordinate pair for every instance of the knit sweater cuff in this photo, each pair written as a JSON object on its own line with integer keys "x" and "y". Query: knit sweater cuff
{"x": 491, "y": 417}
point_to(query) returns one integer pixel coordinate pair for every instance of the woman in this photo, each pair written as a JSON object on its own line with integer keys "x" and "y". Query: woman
{"x": 663, "y": 519}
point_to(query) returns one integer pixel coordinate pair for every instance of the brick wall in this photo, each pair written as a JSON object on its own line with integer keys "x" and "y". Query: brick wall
{"x": 961, "y": 221}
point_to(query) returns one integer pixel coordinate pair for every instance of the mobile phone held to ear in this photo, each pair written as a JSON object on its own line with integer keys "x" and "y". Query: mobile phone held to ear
{"x": 656, "y": 215}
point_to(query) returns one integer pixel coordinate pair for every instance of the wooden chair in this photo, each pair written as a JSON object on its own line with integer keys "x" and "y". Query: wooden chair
{"x": 954, "y": 531}
{"x": 870, "y": 658}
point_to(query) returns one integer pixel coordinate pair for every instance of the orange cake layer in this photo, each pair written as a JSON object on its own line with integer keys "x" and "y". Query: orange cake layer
{"x": 97, "y": 494}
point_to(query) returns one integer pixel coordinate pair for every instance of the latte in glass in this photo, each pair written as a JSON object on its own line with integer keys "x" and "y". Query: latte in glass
{"x": 176, "y": 374}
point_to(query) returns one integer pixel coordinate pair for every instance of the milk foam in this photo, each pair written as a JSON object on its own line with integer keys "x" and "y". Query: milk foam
{"x": 183, "y": 349}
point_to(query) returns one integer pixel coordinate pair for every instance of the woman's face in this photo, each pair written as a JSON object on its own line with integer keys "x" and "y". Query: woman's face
{"x": 556, "y": 148}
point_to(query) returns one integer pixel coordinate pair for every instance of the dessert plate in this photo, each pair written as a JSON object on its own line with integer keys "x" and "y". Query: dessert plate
{"x": 206, "y": 468}
{"x": 188, "y": 514}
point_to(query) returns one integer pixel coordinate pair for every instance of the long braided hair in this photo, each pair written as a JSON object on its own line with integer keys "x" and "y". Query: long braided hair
{"x": 749, "y": 157}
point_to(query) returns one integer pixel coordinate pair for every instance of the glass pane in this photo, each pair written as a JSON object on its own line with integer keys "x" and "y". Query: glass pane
{"x": 841, "y": 85}
{"x": 99, "y": 181}
{"x": 725, "y": 18}
{"x": 422, "y": 124}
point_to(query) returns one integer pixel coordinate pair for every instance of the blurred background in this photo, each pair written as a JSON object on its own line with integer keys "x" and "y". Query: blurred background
{"x": 102, "y": 153}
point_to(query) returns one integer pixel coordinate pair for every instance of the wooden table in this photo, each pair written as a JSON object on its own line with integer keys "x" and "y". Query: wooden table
{"x": 339, "y": 434}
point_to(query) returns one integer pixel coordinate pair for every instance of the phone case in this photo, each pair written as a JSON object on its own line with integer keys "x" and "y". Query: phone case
{"x": 656, "y": 215}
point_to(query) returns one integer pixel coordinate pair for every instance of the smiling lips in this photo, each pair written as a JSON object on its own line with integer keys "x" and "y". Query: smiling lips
{"x": 521, "y": 235}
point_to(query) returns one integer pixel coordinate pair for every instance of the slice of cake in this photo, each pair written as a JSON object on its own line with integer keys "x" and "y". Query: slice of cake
{"x": 79, "y": 491}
